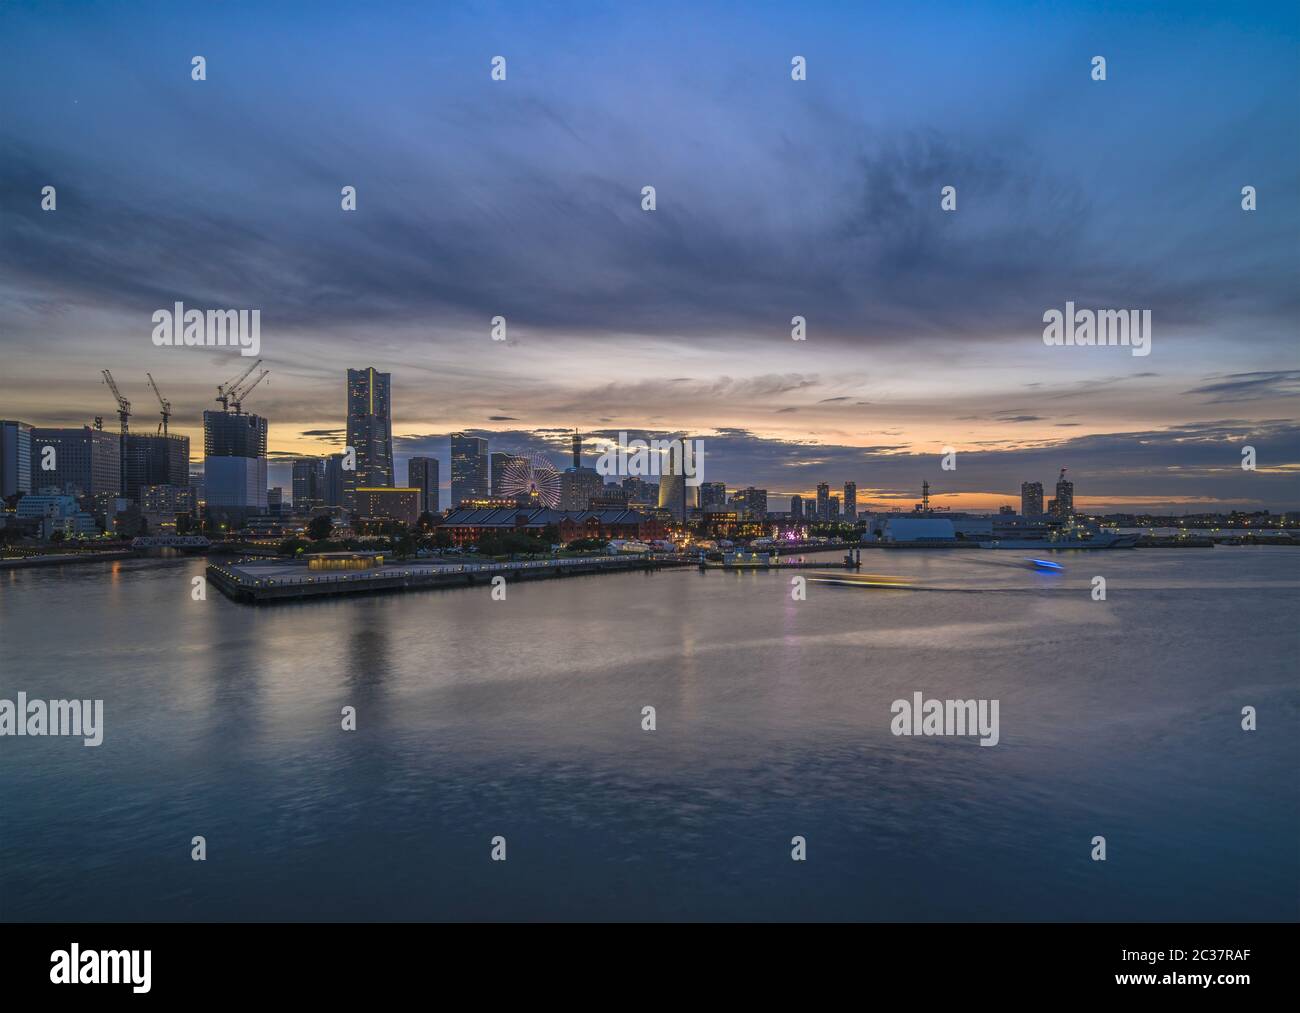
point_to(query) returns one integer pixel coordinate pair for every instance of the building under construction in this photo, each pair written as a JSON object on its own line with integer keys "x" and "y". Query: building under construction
{"x": 234, "y": 455}
{"x": 154, "y": 459}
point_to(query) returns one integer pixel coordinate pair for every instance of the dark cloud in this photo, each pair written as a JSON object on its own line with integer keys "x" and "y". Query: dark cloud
{"x": 1251, "y": 386}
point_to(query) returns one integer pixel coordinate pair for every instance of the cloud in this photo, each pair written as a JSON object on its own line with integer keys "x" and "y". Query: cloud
{"x": 1254, "y": 386}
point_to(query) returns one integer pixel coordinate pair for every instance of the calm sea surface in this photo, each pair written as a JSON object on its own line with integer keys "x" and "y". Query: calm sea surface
{"x": 522, "y": 719}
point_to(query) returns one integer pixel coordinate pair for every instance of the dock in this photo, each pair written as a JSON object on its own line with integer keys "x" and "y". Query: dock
{"x": 259, "y": 582}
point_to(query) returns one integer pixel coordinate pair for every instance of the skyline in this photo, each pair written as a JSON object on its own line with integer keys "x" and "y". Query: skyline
{"x": 521, "y": 198}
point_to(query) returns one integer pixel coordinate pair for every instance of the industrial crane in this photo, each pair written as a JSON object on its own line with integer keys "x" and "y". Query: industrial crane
{"x": 123, "y": 405}
{"x": 166, "y": 405}
{"x": 237, "y": 394}
{"x": 225, "y": 391}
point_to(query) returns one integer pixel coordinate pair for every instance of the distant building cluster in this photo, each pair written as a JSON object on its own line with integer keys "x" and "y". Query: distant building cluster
{"x": 86, "y": 481}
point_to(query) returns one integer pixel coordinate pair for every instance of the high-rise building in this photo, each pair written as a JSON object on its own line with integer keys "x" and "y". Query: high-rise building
{"x": 1064, "y": 497}
{"x": 166, "y": 499}
{"x": 610, "y": 497}
{"x": 796, "y": 508}
{"x": 750, "y": 503}
{"x": 1031, "y": 499}
{"x": 641, "y": 491}
{"x": 154, "y": 459}
{"x": 387, "y": 503}
{"x": 86, "y": 460}
{"x": 308, "y": 484}
{"x": 422, "y": 474}
{"x": 579, "y": 487}
{"x": 823, "y": 501}
{"x": 577, "y": 451}
{"x": 501, "y": 463}
{"x": 851, "y": 501}
{"x": 370, "y": 431}
{"x": 332, "y": 493}
{"x": 712, "y": 494}
{"x": 15, "y": 458}
{"x": 676, "y": 465}
{"x": 469, "y": 468}
{"x": 234, "y": 466}
{"x": 833, "y": 508}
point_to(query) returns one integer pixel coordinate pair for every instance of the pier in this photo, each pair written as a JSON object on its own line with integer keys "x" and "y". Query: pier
{"x": 852, "y": 561}
{"x": 258, "y": 582}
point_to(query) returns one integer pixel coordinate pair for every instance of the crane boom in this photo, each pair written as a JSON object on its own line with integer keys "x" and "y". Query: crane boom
{"x": 166, "y": 405}
{"x": 237, "y": 396}
{"x": 226, "y": 391}
{"x": 123, "y": 405}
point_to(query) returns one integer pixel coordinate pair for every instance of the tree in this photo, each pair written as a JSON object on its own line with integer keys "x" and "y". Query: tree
{"x": 427, "y": 521}
{"x": 404, "y": 547}
{"x": 490, "y": 545}
{"x": 319, "y": 528}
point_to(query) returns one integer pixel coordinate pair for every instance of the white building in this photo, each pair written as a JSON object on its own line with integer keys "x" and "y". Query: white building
{"x": 904, "y": 528}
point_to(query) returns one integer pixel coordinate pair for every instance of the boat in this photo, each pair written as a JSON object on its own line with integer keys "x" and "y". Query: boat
{"x": 1073, "y": 537}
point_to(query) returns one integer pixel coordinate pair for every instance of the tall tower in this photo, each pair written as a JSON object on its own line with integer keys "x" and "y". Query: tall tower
{"x": 469, "y": 468}
{"x": 1064, "y": 497}
{"x": 370, "y": 432}
{"x": 672, "y": 480}
{"x": 577, "y": 451}
{"x": 823, "y": 501}
{"x": 422, "y": 474}
{"x": 1031, "y": 499}
{"x": 851, "y": 500}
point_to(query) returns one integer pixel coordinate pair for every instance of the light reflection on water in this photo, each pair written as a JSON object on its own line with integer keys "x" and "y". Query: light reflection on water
{"x": 522, "y": 718}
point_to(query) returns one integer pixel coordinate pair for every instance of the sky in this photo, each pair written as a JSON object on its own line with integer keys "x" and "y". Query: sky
{"x": 775, "y": 198}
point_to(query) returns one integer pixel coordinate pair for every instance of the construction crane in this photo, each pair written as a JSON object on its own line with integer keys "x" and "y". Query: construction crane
{"x": 226, "y": 390}
{"x": 123, "y": 405}
{"x": 166, "y": 405}
{"x": 238, "y": 394}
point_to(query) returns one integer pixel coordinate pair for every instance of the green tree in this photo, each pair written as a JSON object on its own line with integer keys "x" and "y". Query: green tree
{"x": 320, "y": 528}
